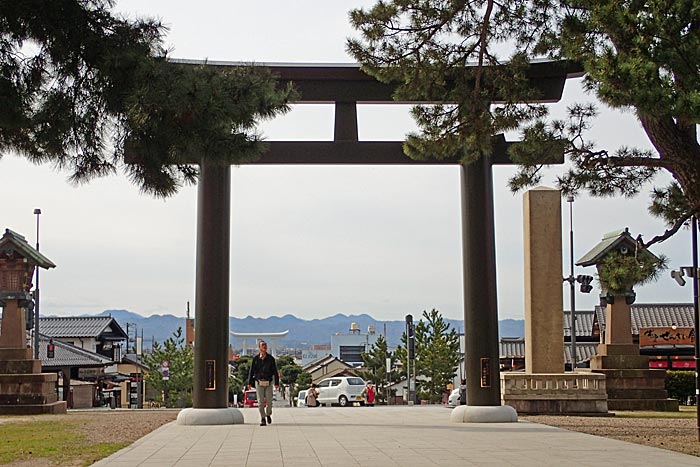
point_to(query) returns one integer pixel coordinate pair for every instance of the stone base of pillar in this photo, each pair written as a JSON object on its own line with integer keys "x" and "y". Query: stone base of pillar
{"x": 630, "y": 383}
{"x": 619, "y": 356}
{"x": 483, "y": 414}
{"x": 637, "y": 389}
{"x": 555, "y": 393}
{"x": 24, "y": 389}
{"x": 223, "y": 416}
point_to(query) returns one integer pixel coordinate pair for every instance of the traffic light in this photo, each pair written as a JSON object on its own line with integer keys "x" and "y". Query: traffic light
{"x": 50, "y": 350}
{"x": 29, "y": 316}
{"x": 585, "y": 282}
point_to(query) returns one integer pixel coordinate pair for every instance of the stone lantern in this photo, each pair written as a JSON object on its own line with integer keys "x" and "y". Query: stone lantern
{"x": 24, "y": 389}
{"x": 617, "y": 298}
{"x": 630, "y": 384}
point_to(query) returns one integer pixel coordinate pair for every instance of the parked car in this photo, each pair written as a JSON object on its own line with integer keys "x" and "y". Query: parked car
{"x": 250, "y": 398}
{"x": 301, "y": 399}
{"x": 341, "y": 390}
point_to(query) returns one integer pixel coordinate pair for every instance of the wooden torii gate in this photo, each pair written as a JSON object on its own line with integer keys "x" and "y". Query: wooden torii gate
{"x": 346, "y": 86}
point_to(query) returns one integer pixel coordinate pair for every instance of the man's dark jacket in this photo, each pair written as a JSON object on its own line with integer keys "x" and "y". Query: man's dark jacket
{"x": 263, "y": 369}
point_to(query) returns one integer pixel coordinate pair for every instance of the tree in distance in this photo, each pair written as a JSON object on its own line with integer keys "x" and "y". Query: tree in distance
{"x": 374, "y": 368}
{"x": 637, "y": 56}
{"x": 303, "y": 381}
{"x": 437, "y": 355}
{"x": 177, "y": 390}
{"x": 92, "y": 93}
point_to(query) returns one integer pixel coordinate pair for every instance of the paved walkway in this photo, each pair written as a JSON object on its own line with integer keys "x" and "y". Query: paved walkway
{"x": 382, "y": 436}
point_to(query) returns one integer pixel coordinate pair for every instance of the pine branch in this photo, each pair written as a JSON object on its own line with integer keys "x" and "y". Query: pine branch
{"x": 668, "y": 233}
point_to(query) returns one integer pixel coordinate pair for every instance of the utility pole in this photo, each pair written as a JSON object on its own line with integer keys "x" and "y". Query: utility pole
{"x": 696, "y": 318}
{"x": 37, "y": 211}
{"x": 693, "y": 272}
{"x": 582, "y": 279}
{"x": 409, "y": 355}
{"x": 574, "y": 360}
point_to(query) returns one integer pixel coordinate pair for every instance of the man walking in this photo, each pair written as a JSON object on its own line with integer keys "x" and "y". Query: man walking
{"x": 263, "y": 375}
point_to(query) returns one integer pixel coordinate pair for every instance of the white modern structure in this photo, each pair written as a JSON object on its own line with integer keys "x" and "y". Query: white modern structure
{"x": 349, "y": 347}
{"x": 269, "y": 337}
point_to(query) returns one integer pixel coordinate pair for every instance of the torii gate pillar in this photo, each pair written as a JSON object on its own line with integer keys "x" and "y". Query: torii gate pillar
{"x": 210, "y": 393}
{"x": 480, "y": 299}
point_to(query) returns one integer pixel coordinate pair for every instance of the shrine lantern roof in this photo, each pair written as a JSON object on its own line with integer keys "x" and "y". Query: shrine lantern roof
{"x": 15, "y": 246}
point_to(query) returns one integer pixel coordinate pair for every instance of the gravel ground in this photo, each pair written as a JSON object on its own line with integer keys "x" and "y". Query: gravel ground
{"x": 125, "y": 426}
{"x": 102, "y": 426}
{"x": 674, "y": 434}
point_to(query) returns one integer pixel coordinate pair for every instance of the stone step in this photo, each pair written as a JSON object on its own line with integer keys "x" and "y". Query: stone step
{"x": 29, "y": 378}
{"x": 630, "y": 362}
{"x": 58, "y": 407}
{"x": 654, "y": 405}
{"x": 631, "y": 373}
{"x": 13, "y": 367}
{"x": 618, "y": 349}
{"x": 16, "y": 354}
{"x": 27, "y": 399}
{"x": 624, "y": 393}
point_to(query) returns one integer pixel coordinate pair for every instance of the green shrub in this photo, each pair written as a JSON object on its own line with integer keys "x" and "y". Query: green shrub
{"x": 680, "y": 384}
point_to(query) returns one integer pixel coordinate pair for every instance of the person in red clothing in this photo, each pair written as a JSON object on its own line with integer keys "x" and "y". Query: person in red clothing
{"x": 368, "y": 394}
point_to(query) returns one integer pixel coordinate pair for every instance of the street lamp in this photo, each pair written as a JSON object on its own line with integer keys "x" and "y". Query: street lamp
{"x": 584, "y": 280}
{"x": 694, "y": 273}
{"x": 37, "y": 212}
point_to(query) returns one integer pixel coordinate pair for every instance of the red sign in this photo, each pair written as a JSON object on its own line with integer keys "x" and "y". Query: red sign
{"x": 685, "y": 364}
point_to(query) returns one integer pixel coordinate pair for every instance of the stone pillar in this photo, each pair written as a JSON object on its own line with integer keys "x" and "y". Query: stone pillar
{"x": 65, "y": 373}
{"x": 479, "y": 276}
{"x": 618, "y": 323}
{"x": 212, "y": 287}
{"x": 544, "y": 314}
{"x": 12, "y": 333}
{"x": 24, "y": 389}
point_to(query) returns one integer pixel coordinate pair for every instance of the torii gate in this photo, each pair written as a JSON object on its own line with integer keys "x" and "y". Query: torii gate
{"x": 345, "y": 85}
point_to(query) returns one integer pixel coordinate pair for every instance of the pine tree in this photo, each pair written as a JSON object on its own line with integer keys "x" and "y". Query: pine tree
{"x": 637, "y": 56}
{"x": 374, "y": 367}
{"x": 92, "y": 93}
{"x": 437, "y": 355}
{"x": 177, "y": 390}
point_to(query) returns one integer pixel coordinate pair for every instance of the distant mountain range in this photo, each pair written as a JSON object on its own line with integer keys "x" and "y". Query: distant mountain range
{"x": 302, "y": 333}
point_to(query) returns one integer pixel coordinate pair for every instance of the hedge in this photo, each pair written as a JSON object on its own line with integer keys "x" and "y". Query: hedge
{"x": 680, "y": 385}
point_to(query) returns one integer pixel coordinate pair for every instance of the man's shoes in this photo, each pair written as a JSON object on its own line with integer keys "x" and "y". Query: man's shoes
{"x": 262, "y": 422}
{"x": 269, "y": 420}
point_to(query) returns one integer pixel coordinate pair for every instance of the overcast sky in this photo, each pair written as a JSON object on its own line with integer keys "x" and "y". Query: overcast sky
{"x": 309, "y": 241}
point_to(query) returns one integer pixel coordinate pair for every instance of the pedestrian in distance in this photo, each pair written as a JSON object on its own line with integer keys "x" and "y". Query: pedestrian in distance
{"x": 263, "y": 375}
{"x": 312, "y": 396}
{"x": 463, "y": 392}
{"x": 368, "y": 395}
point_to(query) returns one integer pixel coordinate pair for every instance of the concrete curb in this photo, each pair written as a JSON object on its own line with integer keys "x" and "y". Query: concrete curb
{"x": 483, "y": 414}
{"x": 223, "y": 416}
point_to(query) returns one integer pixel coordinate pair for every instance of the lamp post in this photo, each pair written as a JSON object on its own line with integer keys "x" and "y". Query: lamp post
{"x": 584, "y": 280}
{"x": 696, "y": 318}
{"x": 571, "y": 280}
{"x": 693, "y": 273}
{"x": 37, "y": 212}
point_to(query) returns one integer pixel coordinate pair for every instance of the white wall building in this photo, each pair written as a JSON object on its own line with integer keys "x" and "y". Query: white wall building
{"x": 349, "y": 347}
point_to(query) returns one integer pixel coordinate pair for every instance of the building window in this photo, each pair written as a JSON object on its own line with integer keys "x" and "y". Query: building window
{"x": 351, "y": 353}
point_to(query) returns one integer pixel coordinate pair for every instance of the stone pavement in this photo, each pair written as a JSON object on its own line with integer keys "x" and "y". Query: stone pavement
{"x": 382, "y": 436}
